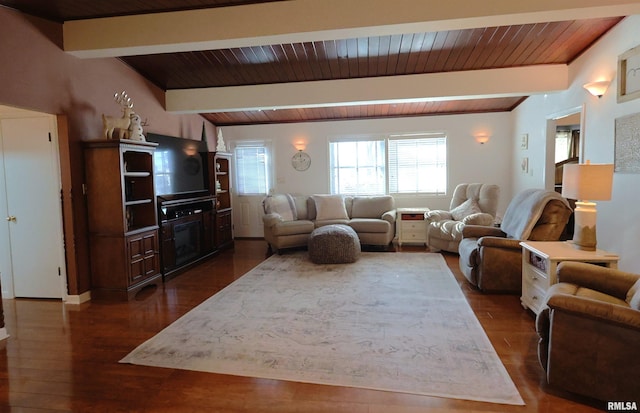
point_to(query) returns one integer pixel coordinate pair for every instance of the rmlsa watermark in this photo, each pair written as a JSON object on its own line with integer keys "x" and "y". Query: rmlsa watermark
{"x": 622, "y": 406}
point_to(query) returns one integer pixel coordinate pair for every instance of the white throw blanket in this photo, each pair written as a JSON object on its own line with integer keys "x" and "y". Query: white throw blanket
{"x": 525, "y": 209}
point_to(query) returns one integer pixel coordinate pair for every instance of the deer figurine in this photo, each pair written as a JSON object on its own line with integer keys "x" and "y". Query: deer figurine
{"x": 111, "y": 123}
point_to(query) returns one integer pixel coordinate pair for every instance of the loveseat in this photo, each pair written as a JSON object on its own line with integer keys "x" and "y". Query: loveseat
{"x": 290, "y": 219}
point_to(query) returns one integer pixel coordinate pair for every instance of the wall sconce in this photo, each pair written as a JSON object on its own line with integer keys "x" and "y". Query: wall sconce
{"x": 481, "y": 138}
{"x": 300, "y": 145}
{"x": 597, "y": 88}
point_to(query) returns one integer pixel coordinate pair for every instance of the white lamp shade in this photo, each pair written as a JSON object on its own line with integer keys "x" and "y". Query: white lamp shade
{"x": 587, "y": 181}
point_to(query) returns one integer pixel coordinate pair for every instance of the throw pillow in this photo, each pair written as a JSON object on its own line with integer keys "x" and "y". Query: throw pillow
{"x": 478, "y": 219}
{"x": 283, "y": 205}
{"x": 330, "y": 207}
{"x": 633, "y": 296}
{"x": 468, "y": 207}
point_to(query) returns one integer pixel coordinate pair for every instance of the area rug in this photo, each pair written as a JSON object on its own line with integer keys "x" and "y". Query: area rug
{"x": 390, "y": 321}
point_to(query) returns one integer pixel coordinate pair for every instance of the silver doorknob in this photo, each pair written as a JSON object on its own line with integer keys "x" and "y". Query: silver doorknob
{"x": 11, "y": 218}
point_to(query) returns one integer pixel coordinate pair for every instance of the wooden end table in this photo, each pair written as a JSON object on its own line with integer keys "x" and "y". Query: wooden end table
{"x": 412, "y": 228}
{"x": 540, "y": 260}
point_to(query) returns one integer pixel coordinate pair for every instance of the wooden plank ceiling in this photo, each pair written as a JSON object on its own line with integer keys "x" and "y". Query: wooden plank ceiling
{"x": 365, "y": 57}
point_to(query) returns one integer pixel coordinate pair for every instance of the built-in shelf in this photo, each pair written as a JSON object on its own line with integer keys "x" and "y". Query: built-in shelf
{"x": 137, "y": 174}
{"x": 220, "y": 187}
{"x": 123, "y": 228}
{"x": 138, "y": 202}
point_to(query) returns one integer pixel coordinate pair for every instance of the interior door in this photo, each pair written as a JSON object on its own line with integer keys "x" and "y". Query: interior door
{"x": 33, "y": 206}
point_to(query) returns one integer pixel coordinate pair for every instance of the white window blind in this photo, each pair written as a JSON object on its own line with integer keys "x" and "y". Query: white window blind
{"x": 418, "y": 164}
{"x": 357, "y": 167}
{"x": 251, "y": 171}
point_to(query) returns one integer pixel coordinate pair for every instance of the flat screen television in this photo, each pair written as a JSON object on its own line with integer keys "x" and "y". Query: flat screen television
{"x": 179, "y": 165}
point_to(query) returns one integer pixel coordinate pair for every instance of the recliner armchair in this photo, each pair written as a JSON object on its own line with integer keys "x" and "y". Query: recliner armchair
{"x": 491, "y": 258}
{"x": 471, "y": 204}
{"x": 590, "y": 332}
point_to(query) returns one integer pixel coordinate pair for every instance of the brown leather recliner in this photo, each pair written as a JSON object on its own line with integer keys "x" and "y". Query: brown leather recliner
{"x": 491, "y": 258}
{"x": 590, "y": 332}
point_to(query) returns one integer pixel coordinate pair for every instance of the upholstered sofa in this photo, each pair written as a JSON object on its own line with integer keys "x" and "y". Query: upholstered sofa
{"x": 290, "y": 219}
{"x": 471, "y": 204}
{"x": 590, "y": 332}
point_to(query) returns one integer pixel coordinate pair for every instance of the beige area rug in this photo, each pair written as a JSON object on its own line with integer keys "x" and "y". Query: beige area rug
{"x": 390, "y": 321}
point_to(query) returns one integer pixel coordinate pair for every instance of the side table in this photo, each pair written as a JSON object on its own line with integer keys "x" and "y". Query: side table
{"x": 413, "y": 227}
{"x": 540, "y": 260}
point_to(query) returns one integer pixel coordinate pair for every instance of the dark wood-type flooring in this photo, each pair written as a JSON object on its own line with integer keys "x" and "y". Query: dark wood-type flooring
{"x": 62, "y": 358}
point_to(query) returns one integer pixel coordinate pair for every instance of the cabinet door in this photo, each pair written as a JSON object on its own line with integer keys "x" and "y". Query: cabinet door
{"x": 223, "y": 228}
{"x": 168, "y": 246}
{"x": 143, "y": 256}
{"x": 208, "y": 238}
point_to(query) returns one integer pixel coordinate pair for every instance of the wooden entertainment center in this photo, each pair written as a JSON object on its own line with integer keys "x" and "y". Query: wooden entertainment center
{"x": 195, "y": 226}
{"x": 136, "y": 239}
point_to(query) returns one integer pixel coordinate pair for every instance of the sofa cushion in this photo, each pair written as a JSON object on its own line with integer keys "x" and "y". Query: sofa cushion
{"x": 468, "y": 207}
{"x": 446, "y": 230}
{"x": 578, "y": 291}
{"x": 329, "y": 207}
{"x": 371, "y": 206}
{"x": 633, "y": 296}
{"x": 281, "y": 204}
{"x": 323, "y": 222}
{"x": 362, "y": 225}
{"x": 293, "y": 227}
{"x": 302, "y": 209}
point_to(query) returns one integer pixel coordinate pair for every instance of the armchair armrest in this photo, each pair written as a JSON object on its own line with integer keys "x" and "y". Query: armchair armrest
{"x": 479, "y": 231}
{"x": 595, "y": 310}
{"x": 437, "y": 215}
{"x": 480, "y": 218}
{"x": 606, "y": 280}
{"x": 390, "y": 216}
{"x": 272, "y": 219}
{"x": 497, "y": 242}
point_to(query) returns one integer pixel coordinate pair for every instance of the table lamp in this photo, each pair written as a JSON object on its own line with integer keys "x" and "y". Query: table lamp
{"x": 586, "y": 183}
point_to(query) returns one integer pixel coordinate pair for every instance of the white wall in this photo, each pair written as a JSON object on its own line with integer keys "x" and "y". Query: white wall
{"x": 499, "y": 160}
{"x": 468, "y": 160}
{"x": 619, "y": 219}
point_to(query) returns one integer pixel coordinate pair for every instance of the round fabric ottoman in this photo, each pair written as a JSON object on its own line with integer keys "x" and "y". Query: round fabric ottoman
{"x": 334, "y": 244}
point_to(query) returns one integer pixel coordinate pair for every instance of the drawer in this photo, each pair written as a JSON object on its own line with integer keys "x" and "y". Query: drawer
{"x": 533, "y": 296}
{"x": 536, "y": 278}
{"x": 412, "y": 217}
{"x": 414, "y": 235}
{"x": 413, "y": 226}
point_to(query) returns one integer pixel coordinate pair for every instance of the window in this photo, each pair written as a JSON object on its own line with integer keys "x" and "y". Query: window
{"x": 252, "y": 171}
{"x": 418, "y": 164}
{"x": 357, "y": 167}
{"x": 397, "y": 164}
